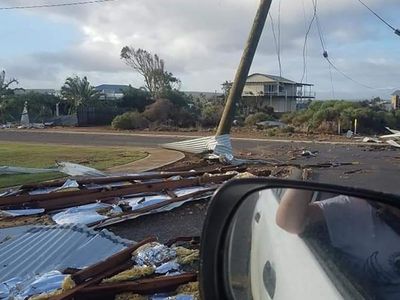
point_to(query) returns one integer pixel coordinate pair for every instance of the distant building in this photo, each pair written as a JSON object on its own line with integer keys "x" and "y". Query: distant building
{"x": 396, "y": 100}
{"x": 277, "y": 92}
{"x": 111, "y": 91}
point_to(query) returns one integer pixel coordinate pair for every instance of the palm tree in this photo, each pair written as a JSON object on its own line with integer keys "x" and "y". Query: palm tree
{"x": 78, "y": 92}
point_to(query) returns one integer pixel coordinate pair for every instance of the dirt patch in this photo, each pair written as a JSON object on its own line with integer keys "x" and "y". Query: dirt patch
{"x": 6, "y": 222}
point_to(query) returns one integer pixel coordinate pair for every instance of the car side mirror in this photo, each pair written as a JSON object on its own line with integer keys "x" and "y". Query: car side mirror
{"x": 280, "y": 239}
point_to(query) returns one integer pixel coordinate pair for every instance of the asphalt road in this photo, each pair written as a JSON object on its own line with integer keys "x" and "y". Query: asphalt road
{"x": 378, "y": 167}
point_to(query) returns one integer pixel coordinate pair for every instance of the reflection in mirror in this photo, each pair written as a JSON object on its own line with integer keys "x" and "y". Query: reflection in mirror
{"x": 301, "y": 244}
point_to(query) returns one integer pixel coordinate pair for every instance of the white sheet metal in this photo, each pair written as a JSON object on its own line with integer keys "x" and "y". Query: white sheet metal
{"x": 21, "y": 212}
{"x": 144, "y": 201}
{"x": 393, "y": 143}
{"x": 69, "y": 184}
{"x": 392, "y": 130}
{"x": 7, "y": 234}
{"x": 390, "y": 136}
{"x": 7, "y": 170}
{"x": 216, "y": 144}
{"x": 23, "y": 288}
{"x": 47, "y": 248}
{"x": 78, "y": 170}
{"x": 159, "y": 210}
{"x": 85, "y": 214}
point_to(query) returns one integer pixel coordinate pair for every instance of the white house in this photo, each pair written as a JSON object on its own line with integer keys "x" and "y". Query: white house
{"x": 277, "y": 92}
{"x": 111, "y": 91}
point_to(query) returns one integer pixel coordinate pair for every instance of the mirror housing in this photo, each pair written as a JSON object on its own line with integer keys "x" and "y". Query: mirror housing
{"x": 221, "y": 218}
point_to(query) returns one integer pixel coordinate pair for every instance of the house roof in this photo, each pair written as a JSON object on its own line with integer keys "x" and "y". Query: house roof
{"x": 396, "y": 93}
{"x": 258, "y": 77}
{"x": 111, "y": 88}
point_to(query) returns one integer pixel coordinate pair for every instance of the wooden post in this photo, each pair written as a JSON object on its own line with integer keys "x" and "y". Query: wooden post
{"x": 355, "y": 126}
{"x": 236, "y": 91}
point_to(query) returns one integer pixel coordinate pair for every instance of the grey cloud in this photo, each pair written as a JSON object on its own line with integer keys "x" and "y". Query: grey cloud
{"x": 202, "y": 41}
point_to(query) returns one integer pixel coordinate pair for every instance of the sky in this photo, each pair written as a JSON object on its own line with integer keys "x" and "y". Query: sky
{"x": 202, "y": 42}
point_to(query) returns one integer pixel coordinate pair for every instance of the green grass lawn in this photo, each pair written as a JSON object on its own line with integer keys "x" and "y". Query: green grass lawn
{"x": 44, "y": 156}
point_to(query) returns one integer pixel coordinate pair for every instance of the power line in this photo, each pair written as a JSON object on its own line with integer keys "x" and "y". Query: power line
{"x": 330, "y": 75}
{"x": 55, "y": 5}
{"x": 305, "y": 42}
{"x": 276, "y": 44}
{"x": 279, "y": 37}
{"x": 325, "y": 52}
{"x": 305, "y": 50}
{"x": 396, "y": 31}
{"x": 344, "y": 74}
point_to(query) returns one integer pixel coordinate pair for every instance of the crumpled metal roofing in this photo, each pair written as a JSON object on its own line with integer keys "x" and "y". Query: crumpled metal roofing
{"x": 219, "y": 145}
{"x": 47, "y": 248}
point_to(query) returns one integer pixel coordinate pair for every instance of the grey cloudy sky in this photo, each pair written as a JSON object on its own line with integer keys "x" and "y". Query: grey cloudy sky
{"x": 201, "y": 42}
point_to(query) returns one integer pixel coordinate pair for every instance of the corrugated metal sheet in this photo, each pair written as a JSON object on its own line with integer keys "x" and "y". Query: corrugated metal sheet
{"x": 196, "y": 146}
{"x": 43, "y": 249}
{"x": 219, "y": 145}
{"x": 12, "y": 232}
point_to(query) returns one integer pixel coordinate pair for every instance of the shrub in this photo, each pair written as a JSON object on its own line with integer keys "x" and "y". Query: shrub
{"x": 130, "y": 120}
{"x": 159, "y": 111}
{"x": 252, "y": 120}
{"x": 211, "y": 115}
{"x": 134, "y": 99}
{"x": 288, "y": 129}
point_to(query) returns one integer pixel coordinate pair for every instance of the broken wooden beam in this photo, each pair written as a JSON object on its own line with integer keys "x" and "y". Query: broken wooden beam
{"x": 70, "y": 199}
{"x": 144, "y": 286}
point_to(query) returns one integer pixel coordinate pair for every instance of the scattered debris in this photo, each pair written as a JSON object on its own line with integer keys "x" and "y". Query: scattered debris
{"x": 63, "y": 167}
{"x": 33, "y": 262}
{"x": 123, "y": 275}
{"x": 307, "y": 153}
{"x": 371, "y": 140}
{"x": 103, "y": 201}
{"x": 353, "y": 171}
{"x": 115, "y": 268}
{"x": 393, "y": 143}
{"x": 217, "y": 148}
{"x": 388, "y": 138}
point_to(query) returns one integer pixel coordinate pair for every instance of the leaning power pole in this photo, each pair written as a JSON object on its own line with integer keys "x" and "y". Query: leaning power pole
{"x": 242, "y": 72}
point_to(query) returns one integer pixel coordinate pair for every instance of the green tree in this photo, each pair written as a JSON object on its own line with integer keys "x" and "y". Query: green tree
{"x": 40, "y": 107}
{"x": 152, "y": 68}
{"x": 226, "y": 88}
{"x": 134, "y": 99}
{"x": 78, "y": 92}
{"x": 5, "y": 84}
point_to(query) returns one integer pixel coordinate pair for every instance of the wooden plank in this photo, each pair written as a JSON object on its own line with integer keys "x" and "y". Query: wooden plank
{"x": 144, "y": 286}
{"x": 69, "y": 295}
{"x": 113, "y": 179}
{"x": 70, "y": 199}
